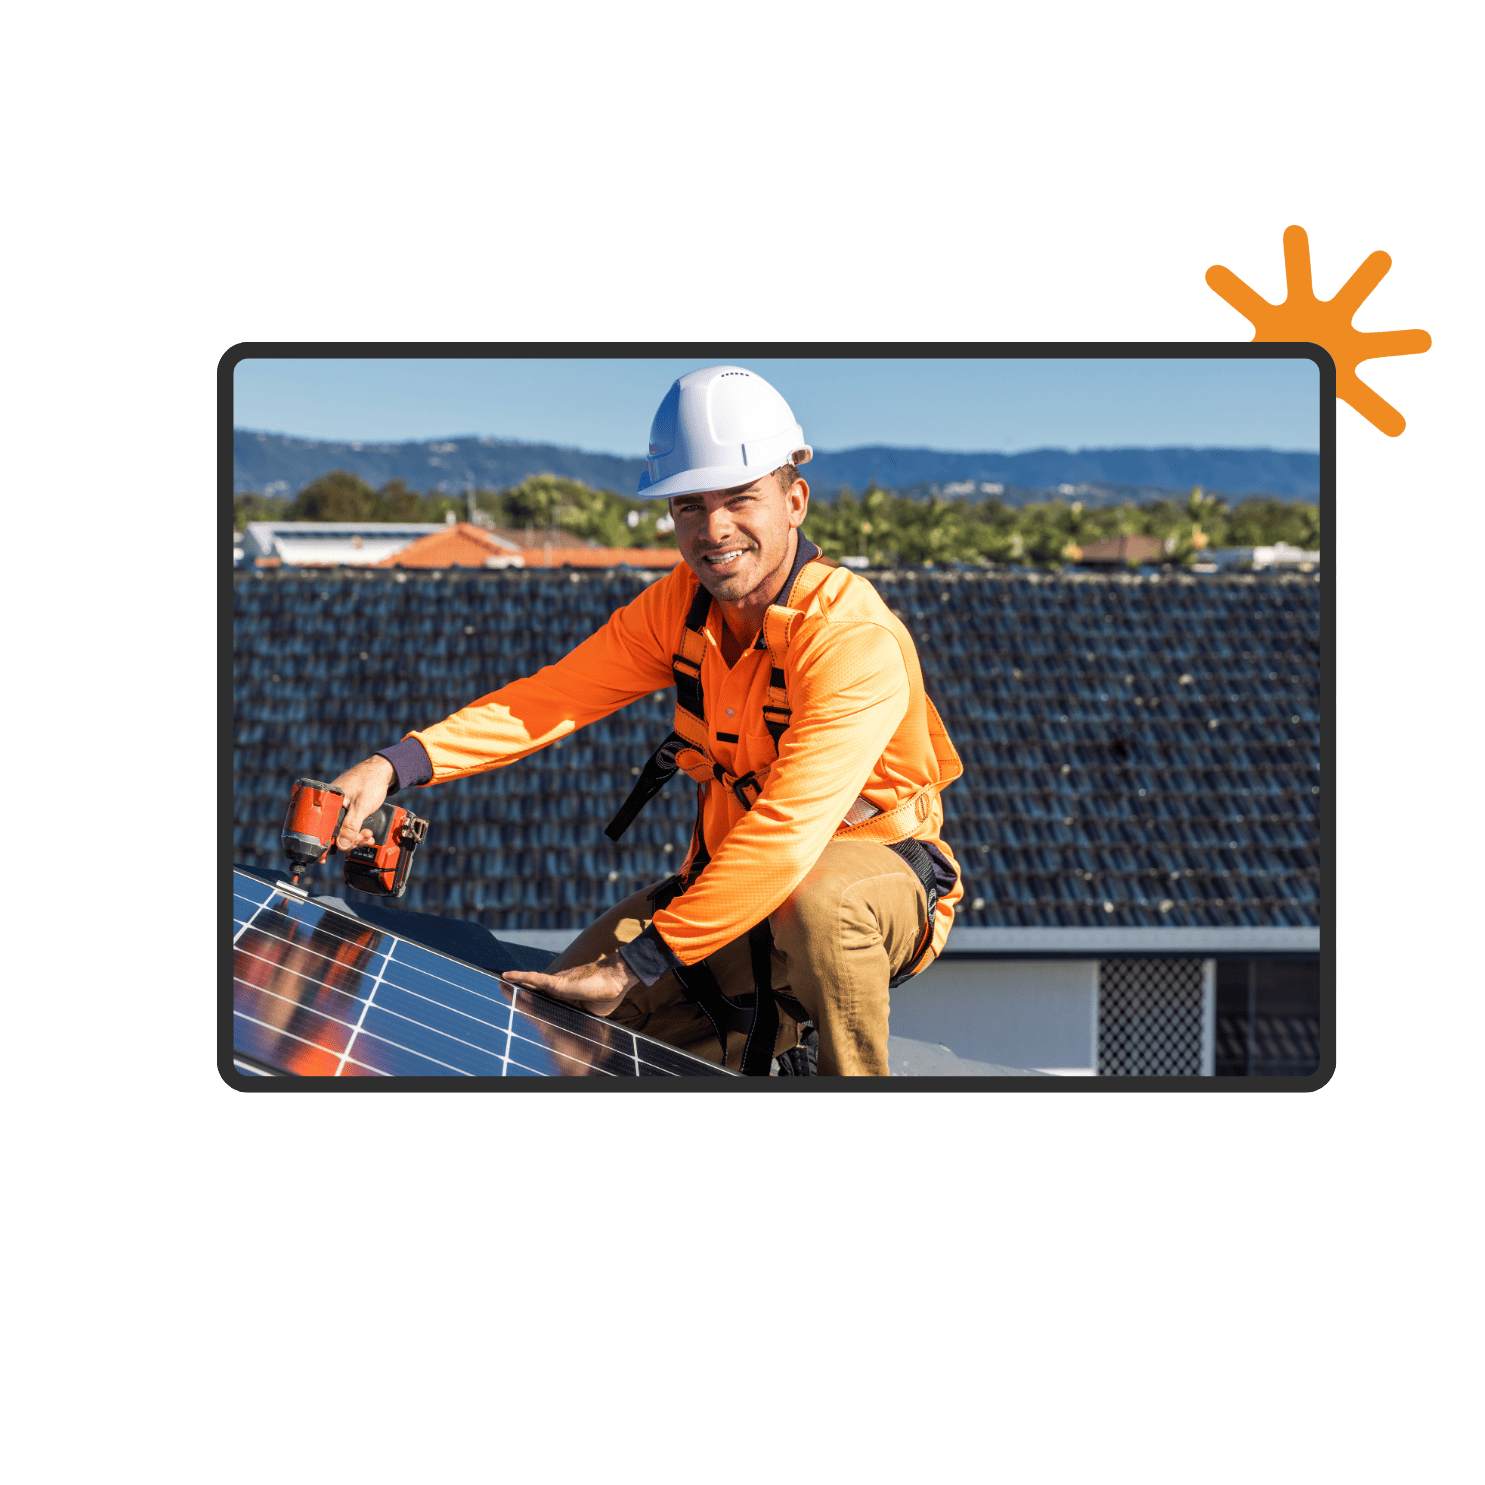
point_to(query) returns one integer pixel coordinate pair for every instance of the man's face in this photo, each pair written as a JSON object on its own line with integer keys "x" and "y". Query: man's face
{"x": 737, "y": 541}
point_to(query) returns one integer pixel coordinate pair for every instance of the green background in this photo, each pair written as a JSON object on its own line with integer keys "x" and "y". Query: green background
{"x": 1169, "y": 1286}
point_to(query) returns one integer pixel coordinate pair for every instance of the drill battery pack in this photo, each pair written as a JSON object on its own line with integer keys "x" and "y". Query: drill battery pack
{"x": 382, "y": 867}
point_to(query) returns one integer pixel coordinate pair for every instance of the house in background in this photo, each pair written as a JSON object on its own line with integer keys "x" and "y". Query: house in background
{"x": 457, "y": 544}
{"x": 450, "y": 543}
{"x": 328, "y": 543}
{"x": 465, "y": 544}
{"x": 1120, "y": 551}
{"x": 1281, "y": 554}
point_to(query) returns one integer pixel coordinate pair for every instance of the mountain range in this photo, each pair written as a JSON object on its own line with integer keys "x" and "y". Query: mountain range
{"x": 276, "y": 464}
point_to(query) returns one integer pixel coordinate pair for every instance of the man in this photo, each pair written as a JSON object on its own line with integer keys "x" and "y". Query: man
{"x": 816, "y": 878}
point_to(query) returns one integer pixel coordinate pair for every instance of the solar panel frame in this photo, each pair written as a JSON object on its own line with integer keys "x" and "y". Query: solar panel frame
{"x": 440, "y": 1022}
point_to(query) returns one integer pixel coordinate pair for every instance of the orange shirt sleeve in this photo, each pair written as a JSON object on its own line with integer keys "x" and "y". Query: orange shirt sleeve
{"x": 626, "y": 659}
{"x": 848, "y": 690}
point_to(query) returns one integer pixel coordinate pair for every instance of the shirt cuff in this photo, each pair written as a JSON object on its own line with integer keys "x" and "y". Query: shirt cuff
{"x": 649, "y": 956}
{"x": 410, "y": 762}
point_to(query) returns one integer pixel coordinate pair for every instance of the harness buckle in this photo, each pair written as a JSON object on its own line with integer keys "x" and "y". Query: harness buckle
{"x": 740, "y": 787}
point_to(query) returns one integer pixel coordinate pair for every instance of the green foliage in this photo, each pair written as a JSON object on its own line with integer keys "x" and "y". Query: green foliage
{"x": 247, "y": 508}
{"x": 337, "y": 496}
{"x": 884, "y": 528}
{"x": 1261, "y": 523}
{"x": 541, "y": 503}
{"x": 545, "y": 502}
{"x": 395, "y": 502}
{"x": 341, "y": 496}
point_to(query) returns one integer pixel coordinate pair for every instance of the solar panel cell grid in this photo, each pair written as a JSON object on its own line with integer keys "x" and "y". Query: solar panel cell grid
{"x": 319, "y": 994}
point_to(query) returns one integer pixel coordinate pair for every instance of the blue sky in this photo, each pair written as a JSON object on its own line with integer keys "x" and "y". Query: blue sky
{"x": 605, "y": 405}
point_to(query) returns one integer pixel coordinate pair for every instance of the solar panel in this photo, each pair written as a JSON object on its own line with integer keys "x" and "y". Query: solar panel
{"x": 319, "y": 993}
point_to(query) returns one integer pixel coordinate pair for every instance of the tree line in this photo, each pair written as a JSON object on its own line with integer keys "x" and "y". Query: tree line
{"x": 543, "y": 502}
{"x": 884, "y": 528}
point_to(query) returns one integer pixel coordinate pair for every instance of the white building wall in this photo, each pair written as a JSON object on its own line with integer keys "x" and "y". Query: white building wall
{"x": 333, "y": 542}
{"x": 1032, "y": 1013}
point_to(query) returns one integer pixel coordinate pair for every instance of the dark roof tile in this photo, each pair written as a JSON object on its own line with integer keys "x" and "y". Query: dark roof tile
{"x": 1053, "y": 819}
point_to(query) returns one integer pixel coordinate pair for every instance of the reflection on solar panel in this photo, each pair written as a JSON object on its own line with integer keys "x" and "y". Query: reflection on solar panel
{"x": 319, "y": 994}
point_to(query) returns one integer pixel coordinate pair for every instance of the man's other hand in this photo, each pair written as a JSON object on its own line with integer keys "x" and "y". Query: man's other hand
{"x": 365, "y": 787}
{"x": 597, "y": 988}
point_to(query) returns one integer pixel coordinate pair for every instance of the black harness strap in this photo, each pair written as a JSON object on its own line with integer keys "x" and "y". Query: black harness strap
{"x": 700, "y": 985}
{"x": 776, "y": 718}
{"x": 659, "y": 770}
{"x": 763, "y": 1033}
{"x": 667, "y": 892}
{"x": 687, "y": 672}
{"x": 756, "y": 1014}
{"x": 741, "y": 786}
{"x": 913, "y": 853}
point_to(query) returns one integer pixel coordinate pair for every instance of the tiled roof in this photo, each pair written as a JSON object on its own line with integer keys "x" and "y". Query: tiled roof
{"x": 467, "y": 545}
{"x": 459, "y": 545}
{"x": 1139, "y": 751}
{"x": 1122, "y": 549}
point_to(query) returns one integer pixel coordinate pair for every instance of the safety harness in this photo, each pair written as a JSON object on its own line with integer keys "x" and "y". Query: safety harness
{"x": 686, "y": 750}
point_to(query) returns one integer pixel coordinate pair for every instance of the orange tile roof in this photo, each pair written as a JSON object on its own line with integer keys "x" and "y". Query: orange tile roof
{"x": 461, "y": 545}
{"x": 465, "y": 545}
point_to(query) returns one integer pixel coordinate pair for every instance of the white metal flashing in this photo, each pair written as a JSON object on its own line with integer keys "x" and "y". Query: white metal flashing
{"x": 1093, "y": 942}
{"x": 1098, "y": 941}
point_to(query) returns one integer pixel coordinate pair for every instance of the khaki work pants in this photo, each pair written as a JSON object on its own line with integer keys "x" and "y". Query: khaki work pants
{"x": 852, "y": 924}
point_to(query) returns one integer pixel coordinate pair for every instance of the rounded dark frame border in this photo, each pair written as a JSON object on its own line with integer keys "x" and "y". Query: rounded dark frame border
{"x": 713, "y": 351}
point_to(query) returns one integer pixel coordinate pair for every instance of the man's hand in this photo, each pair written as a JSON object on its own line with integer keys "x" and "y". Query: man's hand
{"x": 597, "y": 988}
{"x": 365, "y": 787}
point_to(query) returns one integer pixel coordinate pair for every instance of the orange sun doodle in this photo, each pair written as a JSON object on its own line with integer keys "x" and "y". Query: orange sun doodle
{"x": 1327, "y": 323}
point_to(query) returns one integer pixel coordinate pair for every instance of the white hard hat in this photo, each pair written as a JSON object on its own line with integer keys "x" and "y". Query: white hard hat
{"x": 718, "y": 428}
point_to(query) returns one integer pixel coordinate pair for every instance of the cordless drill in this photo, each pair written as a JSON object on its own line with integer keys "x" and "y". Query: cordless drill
{"x": 315, "y": 814}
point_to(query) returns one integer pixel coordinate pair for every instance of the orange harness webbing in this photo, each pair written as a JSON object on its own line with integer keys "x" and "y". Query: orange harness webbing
{"x": 686, "y": 751}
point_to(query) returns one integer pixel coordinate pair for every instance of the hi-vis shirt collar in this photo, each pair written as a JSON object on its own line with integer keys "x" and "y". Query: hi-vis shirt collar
{"x": 807, "y": 552}
{"x": 686, "y": 750}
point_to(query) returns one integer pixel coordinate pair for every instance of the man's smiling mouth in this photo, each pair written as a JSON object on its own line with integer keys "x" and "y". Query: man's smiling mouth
{"x": 721, "y": 559}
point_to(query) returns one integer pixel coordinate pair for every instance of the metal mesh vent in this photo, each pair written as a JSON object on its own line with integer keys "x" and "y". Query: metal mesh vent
{"x": 1151, "y": 1014}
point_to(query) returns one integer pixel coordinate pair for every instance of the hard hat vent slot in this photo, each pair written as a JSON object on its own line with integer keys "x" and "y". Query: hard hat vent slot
{"x": 711, "y": 436}
{"x": 748, "y": 414}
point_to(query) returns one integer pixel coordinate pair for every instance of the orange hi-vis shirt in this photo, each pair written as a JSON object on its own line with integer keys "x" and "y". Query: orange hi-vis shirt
{"x": 860, "y": 727}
